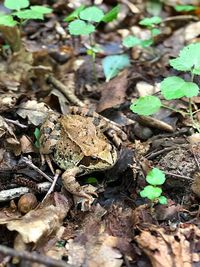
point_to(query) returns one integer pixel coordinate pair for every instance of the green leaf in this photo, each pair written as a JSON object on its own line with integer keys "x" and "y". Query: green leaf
{"x": 28, "y": 14}
{"x": 7, "y": 20}
{"x": 171, "y": 87}
{"x": 184, "y": 8}
{"x": 162, "y": 200}
{"x": 151, "y": 192}
{"x": 74, "y": 14}
{"x": 150, "y": 21}
{"x": 190, "y": 89}
{"x": 41, "y": 9}
{"x": 131, "y": 41}
{"x": 111, "y": 15}
{"x": 79, "y": 27}
{"x": 146, "y": 43}
{"x": 146, "y": 105}
{"x": 37, "y": 137}
{"x": 16, "y": 4}
{"x": 188, "y": 59}
{"x": 113, "y": 64}
{"x": 92, "y": 13}
{"x": 155, "y": 32}
{"x": 175, "y": 87}
{"x": 91, "y": 180}
{"x": 155, "y": 177}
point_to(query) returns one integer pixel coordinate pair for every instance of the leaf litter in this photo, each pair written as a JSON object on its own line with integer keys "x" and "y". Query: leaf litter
{"x": 49, "y": 70}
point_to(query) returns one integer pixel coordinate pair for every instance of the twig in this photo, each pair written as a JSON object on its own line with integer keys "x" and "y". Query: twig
{"x": 30, "y": 163}
{"x": 179, "y": 176}
{"x": 181, "y": 17}
{"x": 33, "y": 257}
{"x": 16, "y": 123}
{"x": 51, "y": 189}
{"x": 65, "y": 90}
{"x": 157, "y": 153}
{"x": 6, "y": 195}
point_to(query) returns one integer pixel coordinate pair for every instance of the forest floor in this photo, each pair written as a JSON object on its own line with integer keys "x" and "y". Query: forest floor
{"x": 129, "y": 195}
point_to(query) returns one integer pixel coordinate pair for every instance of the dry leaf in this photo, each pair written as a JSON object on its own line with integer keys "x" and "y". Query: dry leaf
{"x": 41, "y": 222}
{"x": 113, "y": 92}
{"x": 36, "y": 112}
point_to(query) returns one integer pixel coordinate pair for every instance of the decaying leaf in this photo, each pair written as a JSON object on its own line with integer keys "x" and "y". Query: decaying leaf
{"x": 114, "y": 92}
{"x": 34, "y": 111}
{"x": 43, "y": 221}
{"x": 170, "y": 249}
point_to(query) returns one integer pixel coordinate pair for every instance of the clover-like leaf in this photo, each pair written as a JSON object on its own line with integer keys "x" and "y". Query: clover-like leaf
{"x": 28, "y": 14}
{"x": 113, "y": 64}
{"x": 7, "y": 20}
{"x": 175, "y": 87}
{"x": 74, "y": 14}
{"x": 131, "y": 41}
{"x": 155, "y": 177}
{"x": 188, "y": 59}
{"x": 92, "y": 14}
{"x": 150, "y": 21}
{"x": 162, "y": 200}
{"x": 190, "y": 89}
{"x": 111, "y": 15}
{"x": 79, "y": 27}
{"x": 171, "y": 87}
{"x": 146, "y": 105}
{"x": 184, "y": 8}
{"x": 151, "y": 192}
{"x": 16, "y": 4}
{"x": 146, "y": 43}
{"x": 155, "y": 32}
{"x": 41, "y": 9}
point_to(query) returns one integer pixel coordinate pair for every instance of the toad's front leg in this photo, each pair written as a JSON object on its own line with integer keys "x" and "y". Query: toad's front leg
{"x": 71, "y": 185}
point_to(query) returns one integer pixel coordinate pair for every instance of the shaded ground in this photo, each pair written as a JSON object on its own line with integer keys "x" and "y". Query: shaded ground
{"x": 52, "y": 71}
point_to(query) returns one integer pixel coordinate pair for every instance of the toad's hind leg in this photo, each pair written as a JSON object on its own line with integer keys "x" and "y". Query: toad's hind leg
{"x": 71, "y": 185}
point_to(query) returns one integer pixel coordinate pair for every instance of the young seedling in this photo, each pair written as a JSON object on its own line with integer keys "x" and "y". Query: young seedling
{"x": 185, "y": 8}
{"x": 20, "y": 12}
{"x": 153, "y": 192}
{"x": 175, "y": 87}
{"x": 84, "y": 21}
{"x": 152, "y": 25}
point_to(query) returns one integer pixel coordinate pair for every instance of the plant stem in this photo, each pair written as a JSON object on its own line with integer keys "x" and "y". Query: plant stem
{"x": 195, "y": 125}
{"x": 93, "y": 59}
{"x": 175, "y": 110}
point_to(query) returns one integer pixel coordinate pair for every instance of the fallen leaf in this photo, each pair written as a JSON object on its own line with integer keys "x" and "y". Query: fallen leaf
{"x": 113, "y": 92}
{"x": 40, "y": 223}
{"x": 34, "y": 111}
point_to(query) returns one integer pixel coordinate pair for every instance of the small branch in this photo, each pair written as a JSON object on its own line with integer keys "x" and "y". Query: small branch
{"x": 181, "y": 17}
{"x": 65, "y": 90}
{"x": 17, "y": 123}
{"x": 51, "y": 189}
{"x": 7, "y": 195}
{"x": 33, "y": 257}
{"x": 179, "y": 176}
{"x": 30, "y": 163}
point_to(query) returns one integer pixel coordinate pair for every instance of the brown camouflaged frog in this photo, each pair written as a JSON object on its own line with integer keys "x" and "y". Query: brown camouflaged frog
{"x": 77, "y": 144}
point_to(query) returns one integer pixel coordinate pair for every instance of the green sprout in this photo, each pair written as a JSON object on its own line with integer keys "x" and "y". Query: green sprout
{"x": 23, "y": 11}
{"x": 175, "y": 87}
{"x": 153, "y": 192}
{"x": 37, "y": 137}
{"x": 84, "y": 21}
{"x": 152, "y": 25}
{"x": 185, "y": 8}
{"x": 20, "y": 12}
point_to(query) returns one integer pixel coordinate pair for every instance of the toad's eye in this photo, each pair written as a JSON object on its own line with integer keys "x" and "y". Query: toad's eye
{"x": 93, "y": 158}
